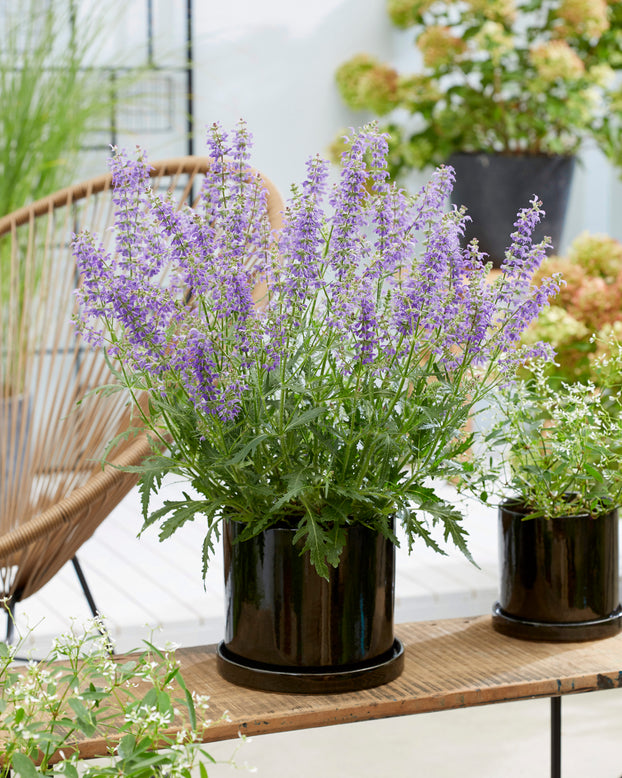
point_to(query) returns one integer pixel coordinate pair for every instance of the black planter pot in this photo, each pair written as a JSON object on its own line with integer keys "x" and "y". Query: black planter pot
{"x": 494, "y": 187}
{"x": 559, "y": 577}
{"x": 289, "y": 630}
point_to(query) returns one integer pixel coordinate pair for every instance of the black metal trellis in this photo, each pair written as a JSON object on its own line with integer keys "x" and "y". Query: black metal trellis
{"x": 189, "y": 77}
{"x": 158, "y": 88}
{"x": 148, "y": 104}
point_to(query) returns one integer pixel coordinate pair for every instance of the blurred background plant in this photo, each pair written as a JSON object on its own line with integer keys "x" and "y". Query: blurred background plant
{"x": 586, "y": 313}
{"x": 49, "y": 97}
{"x": 508, "y": 76}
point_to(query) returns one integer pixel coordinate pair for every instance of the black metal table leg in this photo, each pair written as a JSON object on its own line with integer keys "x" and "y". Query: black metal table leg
{"x": 556, "y": 737}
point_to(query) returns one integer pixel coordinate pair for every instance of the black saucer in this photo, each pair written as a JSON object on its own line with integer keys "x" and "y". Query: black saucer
{"x": 556, "y": 632}
{"x": 313, "y": 680}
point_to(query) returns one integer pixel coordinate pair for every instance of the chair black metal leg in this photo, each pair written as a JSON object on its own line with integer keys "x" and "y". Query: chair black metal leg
{"x": 10, "y": 625}
{"x": 85, "y": 586}
{"x": 556, "y": 737}
{"x": 89, "y": 598}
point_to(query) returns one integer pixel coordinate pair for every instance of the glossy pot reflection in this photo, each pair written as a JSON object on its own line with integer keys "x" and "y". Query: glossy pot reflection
{"x": 281, "y": 613}
{"x": 559, "y": 577}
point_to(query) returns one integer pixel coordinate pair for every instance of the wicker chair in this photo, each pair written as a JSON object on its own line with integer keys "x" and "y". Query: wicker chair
{"x": 54, "y": 492}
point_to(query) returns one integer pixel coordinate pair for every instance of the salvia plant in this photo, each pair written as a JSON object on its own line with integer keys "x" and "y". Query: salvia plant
{"x": 138, "y": 705}
{"x": 340, "y": 395}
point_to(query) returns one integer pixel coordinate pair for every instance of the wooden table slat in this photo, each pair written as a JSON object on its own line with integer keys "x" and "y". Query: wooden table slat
{"x": 449, "y": 664}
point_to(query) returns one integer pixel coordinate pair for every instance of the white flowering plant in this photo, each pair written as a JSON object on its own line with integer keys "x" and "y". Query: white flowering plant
{"x": 139, "y": 706}
{"x": 508, "y": 76}
{"x": 556, "y": 446}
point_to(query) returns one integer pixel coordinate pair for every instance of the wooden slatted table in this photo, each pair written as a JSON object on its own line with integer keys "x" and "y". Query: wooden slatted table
{"x": 453, "y": 663}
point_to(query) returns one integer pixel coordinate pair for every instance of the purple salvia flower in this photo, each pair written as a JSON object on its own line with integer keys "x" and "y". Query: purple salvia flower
{"x": 130, "y": 179}
{"x": 394, "y": 239}
{"x": 349, "y": 200}
{"x": 365, "y": 329}
{"x": 430, "y": 202}
{"x": 300, "y": 242}
{"x": 522, "y": 258}
{"x": 424, "y": 301}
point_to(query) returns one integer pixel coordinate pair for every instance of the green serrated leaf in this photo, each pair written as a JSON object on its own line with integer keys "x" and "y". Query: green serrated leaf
{"x": 315, "y": 542}
{"x": 304, "y": 418}
{"x": 179, "y": 512}
{"x": 241, "y": 455}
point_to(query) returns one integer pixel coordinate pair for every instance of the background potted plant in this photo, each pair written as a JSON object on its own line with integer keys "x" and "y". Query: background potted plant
{"x": 556, "y": 467}
{"x": 506, "y": 92}
{"x": 312, "y": 423}
{"x": 586, "y": 310}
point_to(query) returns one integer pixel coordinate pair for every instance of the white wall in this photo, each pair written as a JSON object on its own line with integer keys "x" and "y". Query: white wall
{"x": 272, "y": 62}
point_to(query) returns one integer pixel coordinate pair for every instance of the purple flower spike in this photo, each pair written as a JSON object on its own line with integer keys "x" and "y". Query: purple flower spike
{"x": 300, "y": 242}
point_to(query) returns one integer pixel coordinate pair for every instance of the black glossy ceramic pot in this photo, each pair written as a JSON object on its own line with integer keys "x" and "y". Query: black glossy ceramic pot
{"x": 559, "y": 577}
{"x": 494, "y": 187}
{"x": 289, "y": 630}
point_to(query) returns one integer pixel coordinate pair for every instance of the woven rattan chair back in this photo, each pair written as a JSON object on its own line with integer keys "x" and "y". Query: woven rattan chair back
{"x": 54, "y": 492}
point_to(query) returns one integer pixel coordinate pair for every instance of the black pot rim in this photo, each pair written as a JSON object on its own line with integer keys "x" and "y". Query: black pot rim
{"x": 517, "y": 506}
{"x": 512, "y": 155}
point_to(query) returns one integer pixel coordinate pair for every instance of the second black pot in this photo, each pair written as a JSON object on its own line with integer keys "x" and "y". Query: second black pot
{"x": 559, "y": 576}
{"x": 494, "y": 187}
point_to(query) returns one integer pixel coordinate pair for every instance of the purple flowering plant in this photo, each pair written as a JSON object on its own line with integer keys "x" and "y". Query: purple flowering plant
{"x": 315, "y": 377}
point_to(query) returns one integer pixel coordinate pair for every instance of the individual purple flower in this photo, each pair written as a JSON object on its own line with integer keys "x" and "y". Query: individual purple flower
{"x": 365, "y": 328}
{"x": 130, "y": 181}
{"x": 522, "y": 258}
{"x": 394, "y": 239}
{"x": 427, "y": 301}
{"x": 350, "y": 197}
{"x": 429, "y": 205}
{"x": 300, "y": 242}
